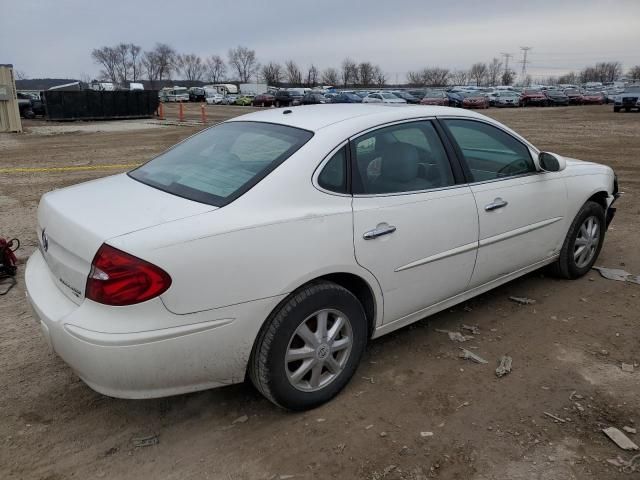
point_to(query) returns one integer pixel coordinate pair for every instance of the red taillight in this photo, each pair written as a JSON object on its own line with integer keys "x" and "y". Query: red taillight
{"x": 117, "y": 278}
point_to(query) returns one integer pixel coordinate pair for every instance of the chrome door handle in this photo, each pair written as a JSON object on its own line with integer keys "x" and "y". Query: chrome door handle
{"x": 380, "y": 230}
{"x": 496, "y": 204}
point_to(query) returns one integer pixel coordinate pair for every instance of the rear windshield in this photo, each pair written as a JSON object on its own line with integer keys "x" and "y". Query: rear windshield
{"x": 219, "y": 164}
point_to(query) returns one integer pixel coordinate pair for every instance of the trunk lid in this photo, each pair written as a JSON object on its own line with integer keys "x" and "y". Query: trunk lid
{"x": 73, "y": 222}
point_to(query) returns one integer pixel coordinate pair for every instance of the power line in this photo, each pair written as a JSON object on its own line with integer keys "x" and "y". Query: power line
{"x": 525, "y": 51}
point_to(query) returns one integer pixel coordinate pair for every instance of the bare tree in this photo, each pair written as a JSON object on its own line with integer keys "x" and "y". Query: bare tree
{"x": 292, "y": 73}
{"x": 494, "y": 70}
{"x": 365, "y": 74}
{"x": 349, "y": 73}
{"x": 136, "y": 64}
{"x": 435, "y": 76}
{"x": 459, "y": 77}
{"x": 379, "y": 77}
{"x": 192, "y": 67}
{"x": 272, "y": 73}
{"x": 634, "y": 73}
{"x": 478, "y": 72}
{"x": 215, "y": 68}
{"x": 330, "y": 76}
{"x": 107, "y": 58}
{"x": 312, "y": 76}
{"x": 601, "y": 72}
{"x": 19, "y": 75}
{"x": 159, "y": 62}
{"x": 415, "y": 79}
{"x": 244, "y": 61}
{"x": 508, "y": 77}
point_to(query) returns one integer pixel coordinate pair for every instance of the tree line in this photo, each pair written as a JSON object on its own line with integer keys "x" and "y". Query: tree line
{"x": 127, "y": 62}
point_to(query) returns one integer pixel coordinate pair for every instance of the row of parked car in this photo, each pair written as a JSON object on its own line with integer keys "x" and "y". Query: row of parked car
{"x": 462, "y": 97}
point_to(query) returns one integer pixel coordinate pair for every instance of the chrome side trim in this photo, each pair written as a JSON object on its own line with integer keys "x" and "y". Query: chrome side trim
{"x": 461, "y": 297}
{"x": 518, "y": 231}
{"x": 439, "y": 256}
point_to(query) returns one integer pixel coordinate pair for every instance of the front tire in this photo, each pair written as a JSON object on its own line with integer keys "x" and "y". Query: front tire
{"x": 583, "y": 242}
{"x": 310, "y": 347}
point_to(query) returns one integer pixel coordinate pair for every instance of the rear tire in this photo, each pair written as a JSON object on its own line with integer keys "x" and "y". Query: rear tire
{"x": 583, "y": 242}
{"x": 616, "y": 109}
{"x": 296, "y": 363}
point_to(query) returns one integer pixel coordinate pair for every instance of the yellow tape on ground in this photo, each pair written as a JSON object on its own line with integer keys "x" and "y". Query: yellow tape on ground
{"x": 78, "y": 168}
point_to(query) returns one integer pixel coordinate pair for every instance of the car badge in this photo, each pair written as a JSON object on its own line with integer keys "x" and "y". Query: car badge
{"x": 45, "y": 240}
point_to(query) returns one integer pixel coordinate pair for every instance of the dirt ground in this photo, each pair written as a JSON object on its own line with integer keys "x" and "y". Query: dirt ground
{"x": 567, "y": 350}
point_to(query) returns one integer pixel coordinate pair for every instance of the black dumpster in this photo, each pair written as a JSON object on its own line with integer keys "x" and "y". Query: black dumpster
{"x": 94, "y": 105}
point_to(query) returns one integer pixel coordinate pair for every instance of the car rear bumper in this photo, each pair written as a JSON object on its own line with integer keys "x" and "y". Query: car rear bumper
{"x": 190, "y": 352}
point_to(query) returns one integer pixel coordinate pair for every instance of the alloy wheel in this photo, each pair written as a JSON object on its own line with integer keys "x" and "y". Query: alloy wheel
{"x": 587, "y": 241}
{"x": 318, "y": 350}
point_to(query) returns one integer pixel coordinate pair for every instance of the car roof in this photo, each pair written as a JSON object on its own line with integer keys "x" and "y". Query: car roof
{"x": 316, "y": 117}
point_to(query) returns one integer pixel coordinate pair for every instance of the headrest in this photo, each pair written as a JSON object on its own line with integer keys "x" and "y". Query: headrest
{"x": 400, "y": 162}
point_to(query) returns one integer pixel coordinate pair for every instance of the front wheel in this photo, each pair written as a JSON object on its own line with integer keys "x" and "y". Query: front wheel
{"x": 583, "y": 242}
{"x": 310, "y": 347}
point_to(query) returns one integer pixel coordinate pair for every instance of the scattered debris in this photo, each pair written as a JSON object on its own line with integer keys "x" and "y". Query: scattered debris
{"x": 618, "y": 275}
{"x": 504, "y": 366}
{"x": 320, "y": 420}
{"x": 383, "y": 434}
{"x": 145, "y": 441}
{"x": 426, "y": 434}
{"x": 629, "y": 429}
{"x": 368, "y": 427}
{"x": 627, "y": 466}
{"x": 370, "y": 379}
{"x": 340, "y": 448}
{"x": 458, "y": 337}
{"x": 627, "y": 367}
{"x": 241, "y": 419}
{"x": 454, "y": 336}
{"x": 557, "y": 419}
{"x": 285, "y": 477}
{"x": 471, "y": 328}
{"x": 463, "y": 404}
{"x": 467, "y": 355}
{"x": 620, "y": 438}
{"x": 522, "y": 300}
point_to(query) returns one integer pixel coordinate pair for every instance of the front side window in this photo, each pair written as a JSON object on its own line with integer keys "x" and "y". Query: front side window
{"x": 220, "y": 163}
{"x": 401, "y": 158}
{"x": 489, "y": 152}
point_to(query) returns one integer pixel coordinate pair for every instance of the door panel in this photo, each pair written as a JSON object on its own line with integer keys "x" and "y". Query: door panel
{"x": 414, "y": 228}
{"x": 529, "y": 228}
{"x": 430, "y": 255}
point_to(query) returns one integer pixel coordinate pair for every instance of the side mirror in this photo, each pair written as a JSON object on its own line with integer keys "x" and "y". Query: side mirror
{"x": 551, "y": 162}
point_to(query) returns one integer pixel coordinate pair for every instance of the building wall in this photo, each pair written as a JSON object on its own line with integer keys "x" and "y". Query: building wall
{"x": 9, "y": 111}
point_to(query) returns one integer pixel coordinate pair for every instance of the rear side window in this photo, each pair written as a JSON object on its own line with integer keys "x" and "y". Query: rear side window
{"x": 489, "y": 152}
{"x": 219, "y": 164}
{"x": 334, "y": 174}
{"x": 401, "y": 158}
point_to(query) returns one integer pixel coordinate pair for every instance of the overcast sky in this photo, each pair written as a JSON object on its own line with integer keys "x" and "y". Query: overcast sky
{"x": 54, "y": 38}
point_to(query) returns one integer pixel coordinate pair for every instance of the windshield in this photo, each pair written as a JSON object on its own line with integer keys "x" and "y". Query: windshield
{"x": 390, "y": 96}
{"x": 532, "y": 92}
{"x": 572, "y": 92}
{"x": 633, "y": 89}
{"x": 221, "y": 163}
{"x": 433, "y": 95}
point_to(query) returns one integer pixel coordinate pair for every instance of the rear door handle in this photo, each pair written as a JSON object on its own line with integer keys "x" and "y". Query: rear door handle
{"x": 380, "y": 230}
{"x": 496, "y": 204}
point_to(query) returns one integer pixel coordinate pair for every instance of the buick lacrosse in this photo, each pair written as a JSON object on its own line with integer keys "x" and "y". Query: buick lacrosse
{"x": 275, "y": 245}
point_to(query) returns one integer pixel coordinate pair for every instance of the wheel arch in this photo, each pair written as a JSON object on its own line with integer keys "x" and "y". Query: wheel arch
{"x": 601, "y": 198}
{"x": 368, "y": 295}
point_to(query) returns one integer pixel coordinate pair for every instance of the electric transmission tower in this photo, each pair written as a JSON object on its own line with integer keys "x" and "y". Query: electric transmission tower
{"x": 506, "y": 56}
{"x": 525, "y": 51}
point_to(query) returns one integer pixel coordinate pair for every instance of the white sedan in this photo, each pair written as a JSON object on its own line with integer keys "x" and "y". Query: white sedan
{"x": 382, "y": 97}
{"x": 276, "y": 245}
{"x": 215, "y": 98}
